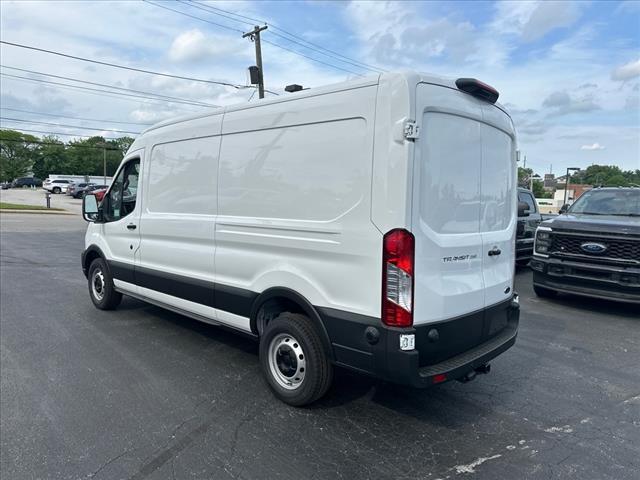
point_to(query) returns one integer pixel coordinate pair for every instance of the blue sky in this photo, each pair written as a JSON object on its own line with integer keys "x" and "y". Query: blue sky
{"x": 569, "y": 72}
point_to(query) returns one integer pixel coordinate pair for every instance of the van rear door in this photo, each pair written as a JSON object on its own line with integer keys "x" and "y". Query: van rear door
{"x": 499, "y": 218}
{"x": 463, "y": 193}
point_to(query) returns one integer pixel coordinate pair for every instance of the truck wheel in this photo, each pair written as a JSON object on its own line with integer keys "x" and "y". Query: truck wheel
{"x": 544, "y": 292}
{"x": 56, "y": 190}
{"x": 522, "y": 263}
{"x": 101, "y": 290}
{"x": 294, "y": 361}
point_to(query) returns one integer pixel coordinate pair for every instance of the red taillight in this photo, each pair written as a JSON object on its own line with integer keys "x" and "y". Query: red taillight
{"x": 397, "y": 278}
{"x": 439, "y": 378}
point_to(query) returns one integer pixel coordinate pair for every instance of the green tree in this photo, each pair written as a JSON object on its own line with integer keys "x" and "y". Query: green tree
{"x": 539, "y": 191}
{"x": 17, "y": 154}
{"x": 51, "y": 157}
{"x": 607, "y": 175}
{"x": 524, "y": 174}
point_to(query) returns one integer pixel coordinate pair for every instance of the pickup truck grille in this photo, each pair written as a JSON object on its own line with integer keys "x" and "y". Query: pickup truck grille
{"x": 619, "y": 249}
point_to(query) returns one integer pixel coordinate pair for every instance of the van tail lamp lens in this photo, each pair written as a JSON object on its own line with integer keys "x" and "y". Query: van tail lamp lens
{"x": 478, "y": 89}
{"x": 397, "y": 278}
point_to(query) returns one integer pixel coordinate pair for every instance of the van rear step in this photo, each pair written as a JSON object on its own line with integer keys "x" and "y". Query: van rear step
{"x": 474, "y": 360}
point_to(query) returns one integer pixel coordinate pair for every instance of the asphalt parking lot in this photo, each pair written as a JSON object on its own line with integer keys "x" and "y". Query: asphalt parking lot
{"x": 145, "y": 393}
{"x": 38, "y": 197}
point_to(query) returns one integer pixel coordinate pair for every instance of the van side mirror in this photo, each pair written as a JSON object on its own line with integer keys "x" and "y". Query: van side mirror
{"x": 90, "y": 209}
{"x": 523, "y": 209}
{"x": 564, "y": 208}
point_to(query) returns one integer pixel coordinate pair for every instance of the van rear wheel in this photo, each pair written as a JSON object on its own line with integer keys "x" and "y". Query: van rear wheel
{"x": 294, "y": 360}
{"x": 101, "y": 289}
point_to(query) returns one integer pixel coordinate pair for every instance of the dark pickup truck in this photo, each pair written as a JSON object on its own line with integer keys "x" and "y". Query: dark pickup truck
{"x": 528, "y": 220}
{"x": 593, "y": 249}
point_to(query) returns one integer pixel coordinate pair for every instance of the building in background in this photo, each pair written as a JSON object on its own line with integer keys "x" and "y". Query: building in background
{"x": 549, "y": 182}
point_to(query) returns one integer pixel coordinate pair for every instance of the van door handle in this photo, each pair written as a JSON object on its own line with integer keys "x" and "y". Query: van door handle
{"x": 494, "y": 251}
{"x": 131, "y": 226}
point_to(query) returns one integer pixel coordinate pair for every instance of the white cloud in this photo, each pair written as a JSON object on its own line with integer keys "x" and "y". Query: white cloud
{"x": 561, "y": 103}
{"x": 593, "y": 146}
{"x": 194, "y": 46}
{"x": 394, "y": 35}
{"x": 532, "y": 20}
{"x": 627, "y": 71}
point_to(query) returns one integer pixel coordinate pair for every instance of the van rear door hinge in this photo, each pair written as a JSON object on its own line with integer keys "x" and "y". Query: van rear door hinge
{"x": 411, "y": 130}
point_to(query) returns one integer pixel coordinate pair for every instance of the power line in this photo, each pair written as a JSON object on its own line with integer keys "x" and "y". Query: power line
{"x": 68, "y": 126}
{"x": 311, "y": 58}
{"x": 72, "y": 118}
{"x": 193, "y": 16}
{"x": 124, "y": 67}
{"x": 159, "y": 95}
{"x": 321, "y": 52}
{"x": 298, "y": 38}
{"x": 50, "y": 133}
{"x": 78, "y": 87}
{"x": 265, "y": 41}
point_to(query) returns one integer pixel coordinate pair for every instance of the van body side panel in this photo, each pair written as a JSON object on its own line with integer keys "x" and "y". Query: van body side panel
{"x": 176, "y": 262}
{"x": 294, "y": 202}
{"x": 392, "y": 163}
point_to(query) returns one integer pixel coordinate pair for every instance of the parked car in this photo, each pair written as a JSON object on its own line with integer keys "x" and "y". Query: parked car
{"x": 74, "y": 188}
{"x": 89, "y": 189}
{"x": 5, "y": 185}
{"x": 323, "y": 233}
{"x": 99, "y": 193}
{"x": 56, "y": 186}
{"x": 593, "y": 249}
{"x": 528, "y": 220}
{"x": 26, "y": 182}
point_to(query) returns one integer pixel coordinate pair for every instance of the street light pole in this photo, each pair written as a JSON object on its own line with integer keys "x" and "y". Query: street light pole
{"x": 566, "y": 185}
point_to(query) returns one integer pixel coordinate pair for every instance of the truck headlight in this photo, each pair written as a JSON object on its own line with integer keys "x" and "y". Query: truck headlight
{"x": 542, "y": 243}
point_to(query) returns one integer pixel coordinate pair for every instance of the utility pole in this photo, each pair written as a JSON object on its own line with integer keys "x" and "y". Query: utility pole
{"x": 566, "y": 185}
{"x": 104, "y": 164}
{"x": 254, "y": 36}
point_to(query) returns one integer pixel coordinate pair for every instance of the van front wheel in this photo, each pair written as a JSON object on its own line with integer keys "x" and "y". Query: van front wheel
{"x": 101, "y": 290}
{"x": 294, "y": 361}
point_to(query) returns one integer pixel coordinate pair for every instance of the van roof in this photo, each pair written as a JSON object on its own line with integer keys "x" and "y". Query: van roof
{"x": 410, "y": 77}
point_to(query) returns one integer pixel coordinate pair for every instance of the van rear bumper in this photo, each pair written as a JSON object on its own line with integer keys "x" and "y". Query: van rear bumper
{"x": 365, "y": 345}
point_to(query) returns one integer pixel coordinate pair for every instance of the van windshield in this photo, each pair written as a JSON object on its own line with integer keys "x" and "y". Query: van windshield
{"x": 623, "y": 202}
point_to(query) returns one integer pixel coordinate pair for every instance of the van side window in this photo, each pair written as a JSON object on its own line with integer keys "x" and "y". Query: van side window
{"x": 121, "y": 200}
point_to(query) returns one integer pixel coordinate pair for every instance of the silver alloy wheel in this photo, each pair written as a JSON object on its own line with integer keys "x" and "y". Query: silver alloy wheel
{"x": 287, "y": 362}
{"x": 98, "y": 284}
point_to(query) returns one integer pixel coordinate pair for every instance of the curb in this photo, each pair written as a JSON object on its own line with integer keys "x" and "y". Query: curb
{"x": 44, "y": 212}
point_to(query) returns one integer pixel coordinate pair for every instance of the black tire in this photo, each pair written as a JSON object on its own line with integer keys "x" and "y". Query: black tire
{"x": 318, "y": 371}
{"x": 544, "y": 292}
{"x": 522, "y": 263}
{"x": 99, "y": 274}
{"x": 56, "y": 190}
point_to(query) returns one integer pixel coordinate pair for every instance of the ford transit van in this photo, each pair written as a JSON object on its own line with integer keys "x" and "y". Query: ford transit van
{"x": 368, "y": 225}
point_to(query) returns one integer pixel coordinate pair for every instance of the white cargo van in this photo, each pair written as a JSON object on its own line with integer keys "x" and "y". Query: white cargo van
{"x": 368, "y": 225}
